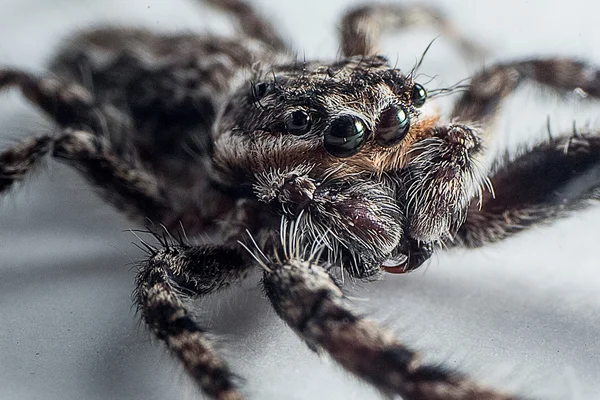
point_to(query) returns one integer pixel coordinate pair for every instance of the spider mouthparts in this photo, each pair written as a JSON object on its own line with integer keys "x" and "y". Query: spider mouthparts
{"x": 396, "y": 264}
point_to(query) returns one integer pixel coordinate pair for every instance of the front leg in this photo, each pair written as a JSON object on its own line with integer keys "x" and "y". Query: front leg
{"x": 314, "y": 306}
{"x": 549, "y": 181}
{"x": 166, "y": 281}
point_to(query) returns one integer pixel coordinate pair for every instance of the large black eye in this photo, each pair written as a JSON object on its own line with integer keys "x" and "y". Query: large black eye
{"x": 345, "y": 137}
{"x": 392, "y": 127}
{"x": 297, "y": 122}
{"x": 418, "y": 95}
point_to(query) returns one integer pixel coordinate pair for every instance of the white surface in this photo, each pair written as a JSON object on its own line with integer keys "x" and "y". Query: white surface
{"x": 523, "y": 314}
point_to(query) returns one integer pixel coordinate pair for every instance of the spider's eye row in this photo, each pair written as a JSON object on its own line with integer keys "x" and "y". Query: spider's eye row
{"x": 345, "y": 136}
{"x": 297, "y": 122}
{"x": 418, "y": 95}
{"x": 393, "y": 126}
{"x": 259, "y": 90}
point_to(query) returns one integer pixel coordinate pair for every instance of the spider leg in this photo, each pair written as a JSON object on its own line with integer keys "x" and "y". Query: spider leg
{"x": 19, "y": 160}
{"x": 546, "y": 182}
{"x": 70, "y": 104}
{"x": 97, "y": 140}
{"x": 158, "y": 97}
{"x": 480, "y": 103}
{"x": 170, "y": 278}
{"x": 125, "y": 184}
{"x": 251, "y": 23}
{"x": 361, "y": 28}
{"x": 313, "y": 305}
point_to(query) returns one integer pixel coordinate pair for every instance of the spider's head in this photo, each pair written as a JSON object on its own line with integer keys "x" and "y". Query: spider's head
{"x": 351, "y": 143}
{"x": 358, "y": 111}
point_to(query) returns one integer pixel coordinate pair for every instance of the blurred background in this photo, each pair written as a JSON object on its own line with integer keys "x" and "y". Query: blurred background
{"x": 521, "y": 315}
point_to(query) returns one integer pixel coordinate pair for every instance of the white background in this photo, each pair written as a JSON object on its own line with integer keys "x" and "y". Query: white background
{"x": 523, "y": 314}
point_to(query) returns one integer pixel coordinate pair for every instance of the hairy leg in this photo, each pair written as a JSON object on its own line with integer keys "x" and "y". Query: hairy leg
{"x": 251, "y": 23}
{"x": 480, "y": 103}
{"x": 124, "y": 184}
{"x": 361, "y": 28}
{"x": 99, "y": 141}
{"x": 71, "y": 105}
{"x": 67, "y": 104}
{"x": 166, "y": 281}
{"x": 18, "y": 161}
{"x": 161, "y": 94}
{"x": 546, "y": 182}
{"x": 313, "y": 305}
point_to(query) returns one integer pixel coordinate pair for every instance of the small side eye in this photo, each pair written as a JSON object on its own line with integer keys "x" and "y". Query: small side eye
{"x": 259, "y": 90}
{"x": 297, "y": 122}
{"x": 393, "y": 126}
{"x": 418, "y": 95}
{"x": 345, "y": 137}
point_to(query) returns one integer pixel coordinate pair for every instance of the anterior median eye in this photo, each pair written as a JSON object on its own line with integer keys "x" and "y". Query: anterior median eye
{"x": 418, "y": 95}
{"x": 345, "y": 136}
{"x": 393, "y": 126}
{"x": 297, "y": 122}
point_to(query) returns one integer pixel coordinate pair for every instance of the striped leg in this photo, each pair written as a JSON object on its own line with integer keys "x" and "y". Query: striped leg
{"x": 165, "y": 283}
{"x": 548, "y": 181}
{"x": 361, "y": 28}
{"x": 480, "y": 103}
{"x": 551, "y": 178}
{"x": 125, "y": 184}
{"x": 250, "y": 22}
{"x": 313, "y": 305}
{"x": 18, "y": 161}
{"x": 67, "y": 104}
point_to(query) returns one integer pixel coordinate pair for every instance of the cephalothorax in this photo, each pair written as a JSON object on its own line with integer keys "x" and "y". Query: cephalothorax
{"x": 345, "y": 150}
{"x": 310, "y": 165}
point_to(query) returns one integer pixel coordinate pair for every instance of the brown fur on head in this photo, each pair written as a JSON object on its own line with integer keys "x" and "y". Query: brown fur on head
{"x": 278, "y": 137}
{"x": 361, "y": 87}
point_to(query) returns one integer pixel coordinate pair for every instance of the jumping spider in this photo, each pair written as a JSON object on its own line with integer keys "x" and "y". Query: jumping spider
{"x": 309, "y": 165}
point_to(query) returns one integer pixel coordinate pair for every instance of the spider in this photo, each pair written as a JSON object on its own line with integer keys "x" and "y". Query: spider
{"x": 324, "y": 164}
